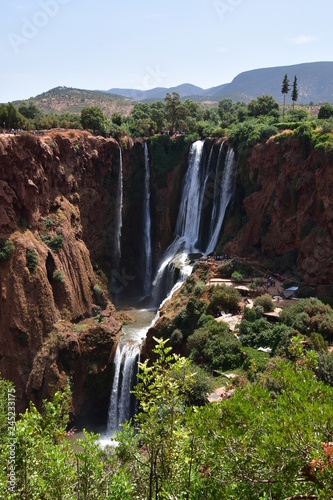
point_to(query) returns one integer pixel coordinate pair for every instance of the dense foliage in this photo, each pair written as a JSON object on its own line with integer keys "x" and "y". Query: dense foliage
{"x": 271, "y": 439}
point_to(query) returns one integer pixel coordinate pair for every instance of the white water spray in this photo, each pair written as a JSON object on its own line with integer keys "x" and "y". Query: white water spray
{"x": 147, "y": 229}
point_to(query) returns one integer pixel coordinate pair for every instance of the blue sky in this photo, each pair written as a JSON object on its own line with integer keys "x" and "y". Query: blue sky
{"x": 100, "y": 44}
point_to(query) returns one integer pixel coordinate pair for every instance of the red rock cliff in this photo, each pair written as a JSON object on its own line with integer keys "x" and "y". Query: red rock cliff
{"x": 55, "y": 206}
{"x": 290, "y": 208}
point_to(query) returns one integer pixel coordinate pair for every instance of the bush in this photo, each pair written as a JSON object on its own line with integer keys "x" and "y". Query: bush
{"x": 324, "y": 370}
{"x": 6, "y": 250}
{"x": 215, "y": 346}
{"x": 223, "y": 298}
{"x": 48, "y": 223}
{"x": 58, "y": 276}
{"x": 265, "y": 301}
{"x": 199, "y": 288}
{"x": 198, "y": 387}
{"x": 176, "y": 337}
{"x": 31, "y": 260}
{"x": 237, "y": 276}
{"x": 261, "y": 359}
{"x": 326, "y": 111}
{"x": 54, "y": 243}
{"x": 98, "y": 290}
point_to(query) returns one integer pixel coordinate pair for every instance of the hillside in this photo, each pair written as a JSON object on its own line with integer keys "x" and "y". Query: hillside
{"x": 65, "y": 99}
{"x": 315, "y": 84}
{"x": 186, "y": 90}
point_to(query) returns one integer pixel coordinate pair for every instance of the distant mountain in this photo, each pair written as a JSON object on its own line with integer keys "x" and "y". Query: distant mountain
{"x": 315, "y": 83}
{"x": 67, "y": 99}
{"x": 185, "y": 90}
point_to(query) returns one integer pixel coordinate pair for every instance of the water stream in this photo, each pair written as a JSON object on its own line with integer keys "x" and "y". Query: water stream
{"x": 174, "y": 267}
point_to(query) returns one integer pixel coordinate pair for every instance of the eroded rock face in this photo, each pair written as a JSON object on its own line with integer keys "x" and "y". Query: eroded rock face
{"x": 55, "y": 207}
{"x": 291, "y": 208}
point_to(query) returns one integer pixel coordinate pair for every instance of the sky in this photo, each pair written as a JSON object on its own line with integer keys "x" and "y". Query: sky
{"x": 142, "y": 44}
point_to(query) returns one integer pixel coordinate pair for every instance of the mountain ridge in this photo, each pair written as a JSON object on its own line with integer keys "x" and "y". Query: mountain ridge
{"x": 315, "y": 83}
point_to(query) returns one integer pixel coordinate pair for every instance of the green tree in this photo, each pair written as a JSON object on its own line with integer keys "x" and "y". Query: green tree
{"x": 175, "y": 113}
{"x": 266, "y": 441}
{"x": 294, "y": 93}
{"x": 227, "y": 112}
{"x": 162, "y": 400}
{"x": 264, "y": 105}
{"x": 285, "y": 89}
{"x": 325, "y": 112}
{"x": 30, "y": 110}
{"x": 92, "y": 118}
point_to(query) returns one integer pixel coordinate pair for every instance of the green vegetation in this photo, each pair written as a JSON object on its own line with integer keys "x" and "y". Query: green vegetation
{"x": 48, "y": 223}
{"x": 285, "y": 89}
{"x": 93, "y": 119}
{"x": 97, "y": 289}
{"x": 59, "y": 276}
{"x": 31, "y": 259}
{"x": 265, "y": 441}
{"x": 6, "y": 250}
{"x": 265, "y": 301}
{"x": 54, "y": 243}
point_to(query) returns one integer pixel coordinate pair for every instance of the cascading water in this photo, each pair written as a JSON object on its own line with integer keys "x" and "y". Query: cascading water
{"x": 175, "y": 259}
{"x": 188, "y": 220}
{"x": 122, "y": 403}
{"x": 119, "y": 220}
{"x": 147, "y": 281}
{"x": 188, "y": 225}
{"x": 222, "y": 202}
{"x": 215, "y": 195}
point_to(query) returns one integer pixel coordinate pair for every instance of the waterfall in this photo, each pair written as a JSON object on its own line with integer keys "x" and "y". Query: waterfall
{"x": 122, "y": 403}
{"x": 226, "y": 187}
{"x": 119, "y": 220}
{"x": 147, "y": 281}
{"x": 188, "y": 225}
{"x": 215, "y": 195}
{"x": 174, "y": 266}
{"x": 188, "y": 221}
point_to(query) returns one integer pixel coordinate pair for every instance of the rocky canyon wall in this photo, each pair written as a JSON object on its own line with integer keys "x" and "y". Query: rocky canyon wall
{"x": 285, "y": 209}
{"x": 58, "y": 210}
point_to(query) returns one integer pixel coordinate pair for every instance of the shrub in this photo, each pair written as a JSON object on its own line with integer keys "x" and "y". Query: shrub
{"x": 223, "y": 298}
{"x": 6, "y": 250}
{"x": 58, "y": 276}
{"x": 54, "y": 243}
{"x": 48, "y": 223}
{"x": 260, "y": 359}
{"x": 31, "y": 260}
{"x": 324, "y": 370}
{"x": 176, "y": 337}
{"x": 98, "y": 290}
{"x": 265, "y": 301}
{"x": 199, "y": 288}
{"x": 326, "y": 111}
{"x": 214, "y": 345}
{"x": 237, "y": 276}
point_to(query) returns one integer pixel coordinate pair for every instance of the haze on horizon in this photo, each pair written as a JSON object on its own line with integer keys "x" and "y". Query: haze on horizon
{"x": 107, "y": 44}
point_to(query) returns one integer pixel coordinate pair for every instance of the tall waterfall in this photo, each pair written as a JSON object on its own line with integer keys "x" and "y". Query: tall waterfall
{"x": 189, "y": 220}
{"x": 122, "y": 403}
{"x": 221, "y": 202}
{"x": 119, "y": 219}
{"x": 215, "y": 194}
{"x": 147, "y": 281}
{"x": 196, "y": 198}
